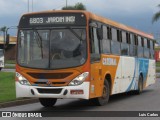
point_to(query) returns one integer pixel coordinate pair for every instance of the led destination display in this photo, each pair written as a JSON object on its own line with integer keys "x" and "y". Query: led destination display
{"x": 53, "y": 20}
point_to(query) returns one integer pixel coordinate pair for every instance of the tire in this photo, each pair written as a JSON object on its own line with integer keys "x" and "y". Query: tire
{"x": 100, "y": 101}
{"x": 0, "y": 69}
{"x": 47, "y": 102}
{"x": 140, "y": 85}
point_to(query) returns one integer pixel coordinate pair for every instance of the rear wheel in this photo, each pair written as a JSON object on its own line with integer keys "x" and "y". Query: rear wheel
{"x": 140, "y": 85}
{"x": 105, "y": 95}
{"x": 0, "y": 69}
{"x": 48, "y": 102}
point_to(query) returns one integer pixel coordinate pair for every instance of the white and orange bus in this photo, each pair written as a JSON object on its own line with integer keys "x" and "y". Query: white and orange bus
{"x": 77, "y": 54}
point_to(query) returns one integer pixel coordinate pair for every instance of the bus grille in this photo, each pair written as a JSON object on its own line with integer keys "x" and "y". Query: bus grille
{"x": 52, "y": 83}
{"x": 49, "y": 75}
{"x": 49, "y": 91}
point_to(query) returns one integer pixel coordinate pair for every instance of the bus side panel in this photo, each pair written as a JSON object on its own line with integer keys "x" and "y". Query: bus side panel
{"x": 143, "y": 65}
{"x": 151, "y": 76}
{"x": 111, "y": 64}
{"x": 116, "y": 79}
{"x": 129, "y": 74}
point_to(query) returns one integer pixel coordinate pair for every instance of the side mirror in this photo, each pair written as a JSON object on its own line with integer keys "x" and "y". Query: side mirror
{"x": 7, "y": 39}
{"x": 100, "y": 33}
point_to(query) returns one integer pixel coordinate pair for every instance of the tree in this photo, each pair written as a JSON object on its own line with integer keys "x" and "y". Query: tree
{"x": 156, "y": 15}
{"x": 3, "y": 29}
{"x": 77, "y": 6}
{"x": 80, "y": 6}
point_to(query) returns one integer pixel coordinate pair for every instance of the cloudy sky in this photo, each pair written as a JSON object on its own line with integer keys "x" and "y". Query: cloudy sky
{"x": 134, "y": 13}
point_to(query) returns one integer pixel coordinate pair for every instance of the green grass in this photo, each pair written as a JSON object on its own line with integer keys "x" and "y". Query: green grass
{"x": 9, "y": 67}
{"x": 158, "y": 70}
{"x": 10, "y": 62}
{"x": 7, "y": 87}
{"x": 157, "y": 64}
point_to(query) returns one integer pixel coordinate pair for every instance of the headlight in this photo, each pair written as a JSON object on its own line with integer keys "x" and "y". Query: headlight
{"x": 22, "y": 80}
{"x": 79, "y": 79}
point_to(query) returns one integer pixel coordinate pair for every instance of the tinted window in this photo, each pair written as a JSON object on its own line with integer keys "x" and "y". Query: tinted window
{"x": 140, "y": 51}
{"x": 131, "y": 39}
{"x": 128, "y": 38}
{"x": 115, "y": 47}
{"x": 135, "y": 40}
{"x": 105, "y": 32}
{"x": 148, "y": 43}
{"x": 139, "y": 41}
{"x": 145, "y": 42}
{"x": 124, "y": 49}
{"x": 105, "y": 41}
{"x": 151, "y": 45}
{"x": 133, "y": 50}
{"x": 124, "y": 37}
{"x": 105, "y": 46}
{"x": 95, "y": 41}
{"x": 146, "y": 53}
{"x": 151, "y": 49}
{"x": 119, "y": 35}
{"x": 114, "y": 34}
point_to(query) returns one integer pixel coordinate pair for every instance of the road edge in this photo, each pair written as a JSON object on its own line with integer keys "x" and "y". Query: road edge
{"x": 18, "y": 102}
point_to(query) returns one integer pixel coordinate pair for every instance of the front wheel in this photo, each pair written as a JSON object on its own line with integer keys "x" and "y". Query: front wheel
{"x": 105, "y": 95}
{"x": 48, "y": 102}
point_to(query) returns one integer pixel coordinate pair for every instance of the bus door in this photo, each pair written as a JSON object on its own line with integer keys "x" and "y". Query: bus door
{"x": 96, "y": 71}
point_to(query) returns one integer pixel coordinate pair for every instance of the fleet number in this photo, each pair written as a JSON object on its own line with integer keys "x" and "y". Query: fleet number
{"x": 36, "y": 20}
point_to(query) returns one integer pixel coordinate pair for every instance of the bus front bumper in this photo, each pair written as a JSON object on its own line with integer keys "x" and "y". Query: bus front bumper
{"x": 80, "y": 91}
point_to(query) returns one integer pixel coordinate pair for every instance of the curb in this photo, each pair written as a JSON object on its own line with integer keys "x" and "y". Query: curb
{"x": 18, "y": 102}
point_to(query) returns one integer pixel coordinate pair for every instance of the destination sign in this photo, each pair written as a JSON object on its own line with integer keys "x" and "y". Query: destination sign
{"x": 52, "y": 20}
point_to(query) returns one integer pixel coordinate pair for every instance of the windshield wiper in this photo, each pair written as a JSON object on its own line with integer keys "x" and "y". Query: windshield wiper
{"x": 39, "y": 42}
{"x": 79, "y": 37}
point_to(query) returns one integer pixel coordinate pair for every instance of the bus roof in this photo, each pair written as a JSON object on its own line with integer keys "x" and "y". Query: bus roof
{"x": 101, "y": 19}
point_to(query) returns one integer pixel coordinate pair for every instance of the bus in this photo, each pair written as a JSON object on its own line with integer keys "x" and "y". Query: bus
{"x": 1, "y": 59}
{"x": 77, "y": 54}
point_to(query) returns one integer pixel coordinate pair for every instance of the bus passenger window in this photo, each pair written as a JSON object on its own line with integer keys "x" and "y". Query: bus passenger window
{"x": 146, "y": 49}
{"x": 114, "y": 34}
{"x": 95, "y": 52}
{"x": 124, "y": 45}
{"x": 132, "y": 47}
{"x": 151, "y": 49}
{"x": 139, "y": 47}
{"x": 105, "y": 41}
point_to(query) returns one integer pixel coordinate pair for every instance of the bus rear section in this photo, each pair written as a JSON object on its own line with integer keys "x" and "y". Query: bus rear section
{"x": 1, "y": 59}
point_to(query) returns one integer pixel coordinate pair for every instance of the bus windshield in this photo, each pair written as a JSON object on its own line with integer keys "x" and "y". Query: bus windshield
{"x": 53, "y": 48}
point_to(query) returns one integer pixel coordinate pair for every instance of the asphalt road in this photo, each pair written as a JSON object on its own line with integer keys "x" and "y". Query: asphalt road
{"x": 149, "y": 100}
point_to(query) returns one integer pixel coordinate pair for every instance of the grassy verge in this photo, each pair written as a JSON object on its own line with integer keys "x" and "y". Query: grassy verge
{"x": 7, "y": 87}
{"x": 9, "y": 67}
{"x": 157, "y": 64}
{"x": 10, "y": 62}
{"x": 157, "y": 70}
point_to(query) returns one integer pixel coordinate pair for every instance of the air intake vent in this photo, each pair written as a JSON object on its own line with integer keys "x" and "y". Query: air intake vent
{"x": 49, "y": 75}
{"x": 49, "y": 91}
